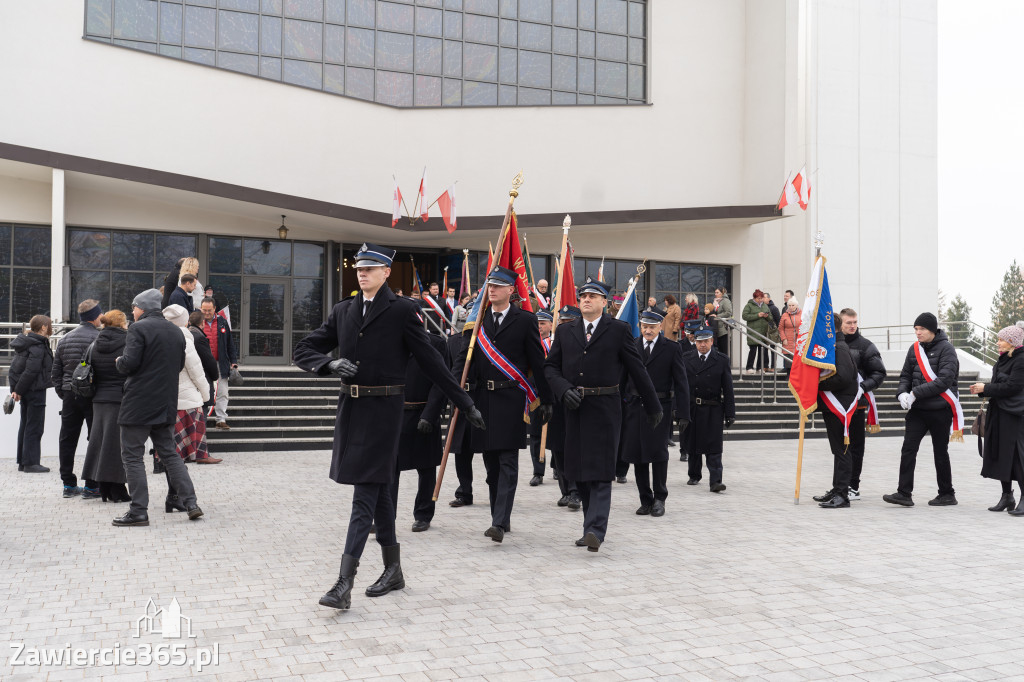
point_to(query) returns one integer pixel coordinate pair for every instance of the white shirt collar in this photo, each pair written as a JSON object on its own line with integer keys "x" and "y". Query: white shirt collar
{"x": 651, "y": 342}
{"x": 595, "y": 322}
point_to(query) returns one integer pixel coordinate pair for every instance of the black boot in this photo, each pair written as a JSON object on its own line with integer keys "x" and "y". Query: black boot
{"x": 391, "y": 578}
{"x": 340, "y": 596}
{"x": 1019, "y": 511}
{"x": 173, "y": 504}
{"x": 158, "y": 466}
{"x": 1005, "y": 503}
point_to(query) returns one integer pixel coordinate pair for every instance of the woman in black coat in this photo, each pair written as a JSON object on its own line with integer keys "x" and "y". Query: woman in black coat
{"x": 29, "y": 377}
{"x": 103, "y": 458}
{"x": 1004, "y": 424}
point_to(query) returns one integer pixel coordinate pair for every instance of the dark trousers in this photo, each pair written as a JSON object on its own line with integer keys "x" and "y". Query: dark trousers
{"x": 621, "y": 467}
{"x": 133, "y": 456}
{"x": 73, "y": 412}
{"x": 566, "y": 486}
{"x": 643, "y": 474}
{"x": 596, "y": 497}
{"x": 695, "y": 462}
{"x": 841, "y": 464}
{"x": 538, "y": 466}
{"x": 857, "y": 429}
{"x": 502, "y": 478}
{"x": 758, "y": 354}
{"x": 919, "y": 423}
{"x": 722, "y": 344}
{"x": 423, "y": 507}
{"x": 371, "y": 503}
{"x": 464, "y": 472}
{"x": 30, "y": 431}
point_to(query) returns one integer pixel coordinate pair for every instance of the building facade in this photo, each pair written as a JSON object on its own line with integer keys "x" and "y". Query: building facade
{"x": 141, "y": 131}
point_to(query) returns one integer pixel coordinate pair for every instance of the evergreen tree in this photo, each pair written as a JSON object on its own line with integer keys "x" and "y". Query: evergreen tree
{"x": 959, "y": 327}
{"x": 1008, "y": 303}
{"x": 940, "y": 311}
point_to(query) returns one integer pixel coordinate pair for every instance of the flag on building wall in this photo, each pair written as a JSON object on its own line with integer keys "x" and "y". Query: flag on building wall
{"x": 815, "y": 356}
{"x": 512, "y": 258}
{"x": 797, "y": 191}
{"x": 446, "y": 202}
{"x": 424, "y": 209}
{"x": 396, "y": 207}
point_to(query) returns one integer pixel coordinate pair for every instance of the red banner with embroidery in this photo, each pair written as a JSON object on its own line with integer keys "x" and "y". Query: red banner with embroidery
{"x": 483, "y": 342}
{"x": 956, "y": 429}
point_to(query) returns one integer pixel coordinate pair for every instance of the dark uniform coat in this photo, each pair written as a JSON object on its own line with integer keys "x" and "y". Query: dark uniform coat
{"x": 457, "y": 345}
{"x": 519, "y": 341}
{"x": 367, "y": 429}
{"x": 709, "y": 380}
{"x": 154, "y": 355}
{"x": 640, "y": 443}
{"x": 423, "y": 400}
{"x": 592, "y": 431}
{"x": 536, "y": 428}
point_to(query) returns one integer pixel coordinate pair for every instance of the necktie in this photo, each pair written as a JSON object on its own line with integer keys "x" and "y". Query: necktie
{"x": 647, "y": 351}
{"x": 590, "y": 330}
{"x": 366, "y": 308}
{"x": 497, "y": 321}
{"x": 703, "y": 359}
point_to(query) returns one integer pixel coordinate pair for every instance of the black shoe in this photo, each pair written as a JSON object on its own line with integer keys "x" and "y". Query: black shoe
{"x": 392, "y": 578}
{"x": 130, "y": 519}
{"x": 1005, "y": 503}
{"x": 575, "y": 504}
{"x": 718, "y": 487}
{"x": 340, "y": 596}
{"x": 644, "y": 510}
{"x": 620, "y": 479}
{"x": 563, "y": 501}
{"x": 1019, "y": 511}
{"x": 537, "y": 480}
{"x": 658, "y": 508}
{"x": 899, "y": 498}
{"x": 828, "y": 495}
{"x": 582, "y": 542}
{"x": 21, "y": 467}
{"x": 835, "y": 502}
{"x": 460, "y": 502}
{"x": 90, "y": 493}
{"x": 71, "y": 491}
{"x": 591, "y": 541}
{"x": 693, "y": 481}
{"x": 496, "y": 533}
{"x": 942, "y": 501}
{"x": 671, "y": 443}
{"x": 173, "y": 503}
{"x": 35, "y": 469}
{"x": 194, "y": 512}
{"x": 420, "y": 526}
{"x": 683, "y": 457}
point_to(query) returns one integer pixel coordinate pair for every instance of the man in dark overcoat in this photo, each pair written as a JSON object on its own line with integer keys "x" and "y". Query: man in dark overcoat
{"x": 515, "y": 351}
{"x": 712, "y": 404}
{"x": 376, "y": 333}
{"x": 647, "y": 449}
{"x": 587, "y": 362}
{"x": 419, "y": 446}
{"x": 544, "y": 320}
{"x": 556, "y": 435}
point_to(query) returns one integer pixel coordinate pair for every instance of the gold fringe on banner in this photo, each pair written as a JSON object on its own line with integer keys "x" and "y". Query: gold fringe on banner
{"x": 957, "y": 437}
{"x": 874, "y": 428}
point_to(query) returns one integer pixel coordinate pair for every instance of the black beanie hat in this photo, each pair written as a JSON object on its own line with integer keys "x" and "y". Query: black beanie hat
{"x": 928, "y": 321}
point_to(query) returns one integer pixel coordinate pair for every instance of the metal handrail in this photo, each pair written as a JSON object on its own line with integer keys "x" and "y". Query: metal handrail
{"x": 968, "y": 336}
{"x": 12, "y": 330}
{"x": 770, "y": 346}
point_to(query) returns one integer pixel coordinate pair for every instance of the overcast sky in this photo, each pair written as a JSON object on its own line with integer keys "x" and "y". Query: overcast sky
{"x": 981, "y": 147}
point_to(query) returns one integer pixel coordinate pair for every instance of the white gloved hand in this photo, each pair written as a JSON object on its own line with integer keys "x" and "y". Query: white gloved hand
{"x": 902, "y": 397}
{"x": 910, "y": 400}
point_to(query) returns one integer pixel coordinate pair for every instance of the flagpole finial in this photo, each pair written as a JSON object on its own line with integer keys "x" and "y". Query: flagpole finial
{"x": 465, "y": 251}
{"x": 819, "y": 241}
{"x": 567, "y": 223}
{"x": 517, "y": 182}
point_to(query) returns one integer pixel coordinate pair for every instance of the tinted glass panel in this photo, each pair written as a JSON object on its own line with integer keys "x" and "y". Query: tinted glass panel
{"x": 266, "y": 306}
{"x": 335, "y": 11}
{"x": 5, "y": 299}
{"x": 31, "y": 293}
{"x": 428, "y": 22}
{"x": 307, "y": 303}
{"x": 334, "y": 78}
{"x": 395, "y": 51}
{"x": 361, "y": 13}
{"x": 170, "y": 23}
{"x": 428, "y": 91}
{"x": 238, "y": 32}
{"x": 428, "y": 55}
{"x": 359, "y": 83}
{"x": 86, "y": 284}
{"x": 564, "y": 74}
{"x": 125, "y": 286}
{"x": 132, "y": 251}
{"x": 266, "y": 345}
{"x": 611, "y": 47}
{"x": 692, "y": 278}
{"x": 244, "y": 5}
{"x": 481, "y": 29}
{"x": 135, "y": 19}
{"x": 611, "y": 15}
{"x": 535, "y": 69}
{"x": 481, "y": 63}
{"x": 89, "y": 250}
{"x": 171, "y": 247}
{"x": 666, "y": 277}
{"x": 97, "y": 20}
{"x": 305, "y": 9}
{"x": 395, "y": 17}
{"x": 303, "y": 40}
{"x": 482, "y": 6}
{"x": 200, "y": 27}
{"x": 565, "y": 12}
{"x": 334, "y": 44}
{"x": 5, "y": 244}
{"x": 267, "y": 258}
{"x": 534, "y": 36}
{"x": 359, "y": 48}
{"x": 303, "y": 73}
{"x": 243, "y": 63}
{"x": 32, "y": 246}
{"x": 611, "y": 79}
{"x": 270, "y": 35}
{"x": 394, "y": 88}
{"x": 535, "y": 10}
{"x": 228, "y": 292}
{"x": 479, "y": 94}
{"x": 225, "y": 255}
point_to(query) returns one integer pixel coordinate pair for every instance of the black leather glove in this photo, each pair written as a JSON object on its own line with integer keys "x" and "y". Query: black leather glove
{"x": 683, "y": 423}
{"x": 346, "y": 369}
{"x": 544, "y": 412}
{"x": 474, "y": 417}
{"x": 424, "y": 427}
{"x": 572, "y": 399}
{"x": 729, "y": 421}
{"x": 654, "y": 419}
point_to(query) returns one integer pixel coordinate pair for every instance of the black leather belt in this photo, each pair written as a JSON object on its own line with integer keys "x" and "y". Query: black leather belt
{"x": 354, "y": 391}
{"x": 706, "y": 401}
{"x": 415, "y": 406}
{"x": 597, "y": 390}
{"x": 663, "y": 395}
{"x": 494, "y": 385}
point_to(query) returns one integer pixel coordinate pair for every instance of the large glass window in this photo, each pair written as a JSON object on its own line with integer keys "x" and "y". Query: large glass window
{"x": 24, "y": 273}
{"x": 494, "y": 52}
{"x": 680, "y": 279}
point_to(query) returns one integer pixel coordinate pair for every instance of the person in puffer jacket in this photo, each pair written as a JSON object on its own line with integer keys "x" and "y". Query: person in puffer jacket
{"x": 193, "y": 392}
{"x": 929, "y": 410}
{"x": 29, "y": 377}
{"x": 872, "y": 374}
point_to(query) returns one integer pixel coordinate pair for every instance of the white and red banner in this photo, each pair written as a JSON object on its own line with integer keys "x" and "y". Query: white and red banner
{"x": 797, "y": 191}
{"x": 956, "y": 429}
{"x": 424, "y": 209}
{"x": 446, "y": 202}
{"x": 815, "y": 356}
{"x": 396, "y": 205}
{"x": 842, "y": 411}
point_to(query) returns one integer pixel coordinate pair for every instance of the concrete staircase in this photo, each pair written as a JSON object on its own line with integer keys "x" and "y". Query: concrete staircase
{"x": 287, "y": 409}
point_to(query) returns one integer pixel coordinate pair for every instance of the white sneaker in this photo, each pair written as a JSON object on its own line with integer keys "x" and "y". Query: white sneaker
{"x": 749, "y": 371}
{"x": 853, "y": 495}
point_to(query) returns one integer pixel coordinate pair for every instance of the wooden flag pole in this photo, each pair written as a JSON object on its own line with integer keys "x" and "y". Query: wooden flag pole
{"x": 517, "y": 182}
{"x": 799, "y": 457}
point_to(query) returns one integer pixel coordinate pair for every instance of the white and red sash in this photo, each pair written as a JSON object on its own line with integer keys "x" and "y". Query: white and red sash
{"x": 844, "y": 413}
{"x": 496, "y": 358}
{"x": 436, "y": 308}
{"x": 873, "y": 426}
{"x": 541, "y": 298}
{"x": 546, "y": 342}
{"x": 956, "y": 429}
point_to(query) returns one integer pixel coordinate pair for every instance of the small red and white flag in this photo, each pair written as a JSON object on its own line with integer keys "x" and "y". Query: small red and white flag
{"x": 424, "y": 209}
{"x": 396, "y": 207}
{"x": 446, "y": 202}
{"x": 797, "y": 191}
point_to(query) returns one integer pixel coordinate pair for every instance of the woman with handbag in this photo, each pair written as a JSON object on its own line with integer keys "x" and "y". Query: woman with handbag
{"x": 103, "y": 458}
{"x": 1003, "y": 457}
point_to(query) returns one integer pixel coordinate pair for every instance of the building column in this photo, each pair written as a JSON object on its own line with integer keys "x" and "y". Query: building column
{"x": 57, "y": 299}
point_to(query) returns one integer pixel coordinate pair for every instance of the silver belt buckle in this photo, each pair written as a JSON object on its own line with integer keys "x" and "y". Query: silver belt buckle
{"x": 490, "y": 385}
{"x": 353, "y": 391}
{"x": 699, "y": 401}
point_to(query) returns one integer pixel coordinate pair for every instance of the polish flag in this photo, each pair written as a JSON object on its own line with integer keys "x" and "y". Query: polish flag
{"x": 797, "y": 191}
{"x": 424, "y": 210}
{"x": 396, "y": 207}
{"x": 446, "y": 202}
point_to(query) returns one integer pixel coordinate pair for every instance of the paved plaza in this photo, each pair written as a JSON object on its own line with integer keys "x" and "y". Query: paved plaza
{"x": 739, "y": 585}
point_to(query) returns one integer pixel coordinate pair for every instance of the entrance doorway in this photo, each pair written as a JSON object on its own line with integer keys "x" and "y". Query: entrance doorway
{"x": 266, "y": 321}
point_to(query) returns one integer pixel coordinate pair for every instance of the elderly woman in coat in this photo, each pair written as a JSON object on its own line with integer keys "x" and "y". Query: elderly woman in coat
{"x": 103, "y": 458}
{"x": 673, "y": 318}
{"x": 193, "y": 392}
{"x": 756, "y": 316}
{"x": 1004, "y": 424}
{"x": 789, "y": 328}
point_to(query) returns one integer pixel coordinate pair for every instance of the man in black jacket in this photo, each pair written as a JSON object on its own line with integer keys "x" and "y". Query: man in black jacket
{"x": 182, "y": 294}
{"x": 837, "y": 400}
{"x": 872, "y": 373}
{"x": 928, "y": 391}
{"x": 712, "y": 407}
{"x": 154, "y": 355}
{"x": 74, "y": 410}
{"x": 508, "y": 349}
